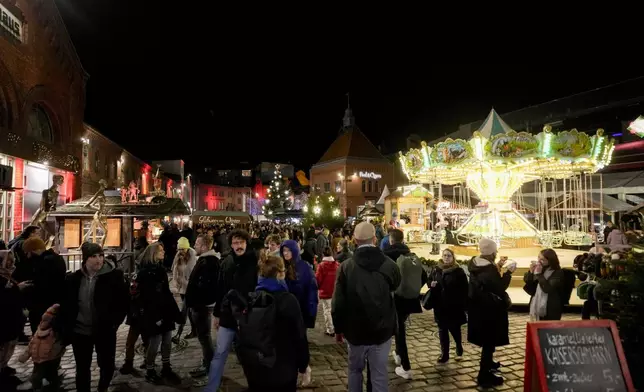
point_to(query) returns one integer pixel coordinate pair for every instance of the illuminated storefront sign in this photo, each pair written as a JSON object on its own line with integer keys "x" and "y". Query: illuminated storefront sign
{"x": 10, "y": 24}
{"x": 372, "y": 175}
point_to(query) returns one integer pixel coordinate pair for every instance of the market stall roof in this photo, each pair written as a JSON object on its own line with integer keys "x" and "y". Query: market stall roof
{"x": 370, "y": 211}
{"x": 159, "y": 207}
{"x": 220, "y": 217}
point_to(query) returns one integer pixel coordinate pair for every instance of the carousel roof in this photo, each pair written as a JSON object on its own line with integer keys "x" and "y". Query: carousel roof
{"x": 159, "y": 207}
{"x": 494, "y": 125}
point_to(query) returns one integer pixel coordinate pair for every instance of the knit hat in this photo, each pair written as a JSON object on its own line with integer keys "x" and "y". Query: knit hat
{"x": 183, "y": 243}
{"x": 487, "y": 247}
{"x": 89, "y": 249}
{"x": 32, "y": 244}
{"x": 48, "y": 316}
{"x": 364, "y": 231}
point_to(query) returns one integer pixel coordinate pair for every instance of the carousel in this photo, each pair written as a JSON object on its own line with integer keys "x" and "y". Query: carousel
{"x": 496, "y": 162}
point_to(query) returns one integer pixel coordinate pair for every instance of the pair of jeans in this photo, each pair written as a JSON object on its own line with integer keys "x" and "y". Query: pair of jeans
{"x": 46, "y": 370}
{"x": 132, "y": 337}
{"x": 83, "y": 347}
{"x": 377, "y": 356}
{"x": 165, "y": 341}
{"x": 487, "y": 358}
{"x": 225, "y": 337}
{"x": 401, "y": 341}
{"x": 328, "y": 319}
{"x": 185, "y": 314}
{"x": 443, "y": 334}
{"x": 202, "y": 321}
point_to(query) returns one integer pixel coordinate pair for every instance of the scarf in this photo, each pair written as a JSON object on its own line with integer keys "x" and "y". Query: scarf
{"x": 448, "y": 267}
{"x": 539, "y": 304}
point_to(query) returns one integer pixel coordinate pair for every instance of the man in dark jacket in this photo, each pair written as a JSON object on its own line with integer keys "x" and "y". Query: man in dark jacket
{"x": 200, "y": 294}
{"x": 95, "y": 304}
{"x": 238, "y": 272}
{"x": 47, "y": 278}
{"x": 363, "y": 308}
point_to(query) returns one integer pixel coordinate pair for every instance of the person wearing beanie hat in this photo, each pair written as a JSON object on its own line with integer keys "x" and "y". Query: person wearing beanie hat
{"x": 363, "y": 308}
{"x": 487, "y": 324}
{"x": 182, "y": 266}
{"x": 95, "y": 304}
{"x": 46, "y": 350}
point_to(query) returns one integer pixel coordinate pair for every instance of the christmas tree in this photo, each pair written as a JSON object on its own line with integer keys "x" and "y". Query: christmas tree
{"x": 323, "y": 210}
{"x": 277, "y": 194}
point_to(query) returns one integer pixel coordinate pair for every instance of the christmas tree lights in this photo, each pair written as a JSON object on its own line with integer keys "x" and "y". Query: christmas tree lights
{"x": 277, "y": 194}
{"x": 323, "y": 210}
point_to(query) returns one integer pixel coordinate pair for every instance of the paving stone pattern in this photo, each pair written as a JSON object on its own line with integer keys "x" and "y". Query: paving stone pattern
{"x": 329, "y": 363}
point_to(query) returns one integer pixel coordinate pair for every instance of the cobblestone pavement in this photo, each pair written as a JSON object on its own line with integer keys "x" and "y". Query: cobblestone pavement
{"x": 329, "y": 363}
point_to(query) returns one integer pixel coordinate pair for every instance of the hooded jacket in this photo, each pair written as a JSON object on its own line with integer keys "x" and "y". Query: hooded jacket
{"x": 304, "y": 287}
{"x": 236, "y": 273}
{"x": 363, "y": 306}
{"x": 325, "y": 276}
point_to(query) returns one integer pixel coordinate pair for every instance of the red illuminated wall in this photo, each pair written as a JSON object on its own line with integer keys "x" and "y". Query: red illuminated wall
{"x": 19, "y": 181}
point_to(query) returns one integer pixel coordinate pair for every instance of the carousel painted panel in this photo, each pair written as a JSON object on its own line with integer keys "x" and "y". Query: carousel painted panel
{"x": 512, "y": 145}
{"x": 451, "y": 152}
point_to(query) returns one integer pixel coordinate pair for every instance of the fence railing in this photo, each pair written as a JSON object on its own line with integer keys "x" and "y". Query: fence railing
{"x": 124, "y": 261}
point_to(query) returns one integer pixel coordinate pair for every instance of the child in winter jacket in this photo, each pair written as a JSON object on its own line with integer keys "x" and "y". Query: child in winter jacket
{"x": 45, "y": 349}
{"x": 325, "y": 276}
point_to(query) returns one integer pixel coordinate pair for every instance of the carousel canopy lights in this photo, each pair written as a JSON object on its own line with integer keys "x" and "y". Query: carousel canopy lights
{"x": 636, "y": 127}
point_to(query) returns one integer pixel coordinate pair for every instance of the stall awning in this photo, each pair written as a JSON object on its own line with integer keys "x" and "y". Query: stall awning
{"x": 157, "y": 208}
{"x": 220, "y": 217}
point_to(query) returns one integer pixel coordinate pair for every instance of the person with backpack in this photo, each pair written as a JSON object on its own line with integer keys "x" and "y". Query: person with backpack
{"x": 363, "y": 308}
{"x": 238, "y": 272}
{"x": 271, "y": 340}
{"x": 413, "y": 277}
{"x": 325, "y": 277}
{"x": 449, "y": 289}
{"x": 201, "y": 294}
{"x": 545, "y": 284}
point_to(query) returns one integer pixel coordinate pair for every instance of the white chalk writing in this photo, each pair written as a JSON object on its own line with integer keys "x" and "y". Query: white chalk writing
{"x": 580, "y": 355}
{"x": 575, "y": 338}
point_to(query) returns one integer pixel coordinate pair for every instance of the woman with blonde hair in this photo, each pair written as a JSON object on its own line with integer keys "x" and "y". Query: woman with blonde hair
{"x": 182, "y": 266}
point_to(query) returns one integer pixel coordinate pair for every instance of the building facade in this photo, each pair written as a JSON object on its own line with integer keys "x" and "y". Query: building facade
{"x": 42, "y": 100}
{"x": 222, "y": 198}
{"x": 352, "y": 169}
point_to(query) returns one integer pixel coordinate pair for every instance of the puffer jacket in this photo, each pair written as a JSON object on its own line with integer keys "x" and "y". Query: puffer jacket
{"x": 44, "y": 346}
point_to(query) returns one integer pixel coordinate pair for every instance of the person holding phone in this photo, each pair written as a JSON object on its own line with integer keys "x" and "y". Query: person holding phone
{"x": 544, "y": 283}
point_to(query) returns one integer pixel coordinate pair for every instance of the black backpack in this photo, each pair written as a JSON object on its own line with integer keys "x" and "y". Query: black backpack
{"x": 256, "y": 319}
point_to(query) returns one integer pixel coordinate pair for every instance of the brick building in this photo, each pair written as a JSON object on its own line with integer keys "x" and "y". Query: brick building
{"x": 42, "y": 100}
{"x": 222, "y": 198}
{"x": 352, "y": 168}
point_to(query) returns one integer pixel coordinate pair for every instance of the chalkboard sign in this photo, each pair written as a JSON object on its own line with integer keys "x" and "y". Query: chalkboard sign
{"x": 575, "y": 356}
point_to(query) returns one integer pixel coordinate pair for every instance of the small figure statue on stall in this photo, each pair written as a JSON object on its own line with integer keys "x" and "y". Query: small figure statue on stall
{"x": 48, "y": 202}
{"x": 124, "y": 194}
{"x": 157, "y": 182}
{"x": 133, "y": 192}
{"x": 168, "y": 189}
{"x": 97, "y": 202}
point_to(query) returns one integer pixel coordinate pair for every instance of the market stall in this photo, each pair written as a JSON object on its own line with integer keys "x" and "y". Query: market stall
{"x": 407, "y": 207}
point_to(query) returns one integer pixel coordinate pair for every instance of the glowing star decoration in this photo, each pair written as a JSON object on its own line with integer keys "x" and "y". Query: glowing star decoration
{"x": 331, "y": 198}
{"x": 317, "y": 210}
{"x": 336, "y": 212}
{"x": 636, "y": 127}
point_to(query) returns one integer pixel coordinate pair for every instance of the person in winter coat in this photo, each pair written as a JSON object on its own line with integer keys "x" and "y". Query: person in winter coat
{"x": 413, "y": 278}
{"x": 157, "y": 311}
{"x": 22, "y": 270}
{"x": 291, "y": 345}
{"x": 273, "y": 242}
{"x": 301, "y": 281}
{"x": 11, "y": 302}
{"x": 182, "y": 266}
{"x": 363, "y": 308}
{"x": 238, "y": 272}
{"x": 343, "y": 251}
{"x": 544, "y": 282}
{"x": 95, "y": 302}
{"x": 617, "y": 240}
{"x": 45, "y": 349}
{"x": 488, "y": 325}
{"x": 321, "y": 242}
{"x": 449, "y": 289}
{"x": 325, "y": 277}
{"x": 309, "y": 248}
{"x": 48, "y": 278}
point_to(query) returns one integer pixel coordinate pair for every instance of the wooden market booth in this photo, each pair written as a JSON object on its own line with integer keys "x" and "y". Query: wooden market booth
{"x": 74, "y": 222}
{"x": 408, "y": 206}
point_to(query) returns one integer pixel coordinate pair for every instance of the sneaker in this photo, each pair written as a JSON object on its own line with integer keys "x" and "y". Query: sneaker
{"x": 406, "y": 374}
{"x": 306, "y": 377}
{"x": 443, "y": 358}
{"x": 201, "y": 371}
{"x": 489, "y": 380}
{"x": 127, "y": 368}
{"x": 172, "y": 377}
{"x": 397, "y": 359}
{"x": 459, "y": 351}
{"x": 152, "y": 377}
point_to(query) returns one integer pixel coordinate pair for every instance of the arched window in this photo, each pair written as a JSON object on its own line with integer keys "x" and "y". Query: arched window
{"x": 39, "y": 126}
{"x": 364, "y": 186}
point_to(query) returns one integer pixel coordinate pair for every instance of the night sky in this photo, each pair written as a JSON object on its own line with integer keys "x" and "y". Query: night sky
{"x": 209, "y": 87}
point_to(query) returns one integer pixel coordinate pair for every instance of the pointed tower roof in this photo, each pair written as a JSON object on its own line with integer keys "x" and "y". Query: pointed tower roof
{"x": 493, "y": 125}
{"x": 350, "y": 143}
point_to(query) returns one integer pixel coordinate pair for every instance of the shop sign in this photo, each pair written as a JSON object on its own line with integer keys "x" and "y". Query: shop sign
{"x": 10, "y": 23}
{"x": 371, "y": 175}
{"x": 220, "y": 220}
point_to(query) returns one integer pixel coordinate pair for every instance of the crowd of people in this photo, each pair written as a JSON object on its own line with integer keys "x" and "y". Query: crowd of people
{"x": 260, "y": 290}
